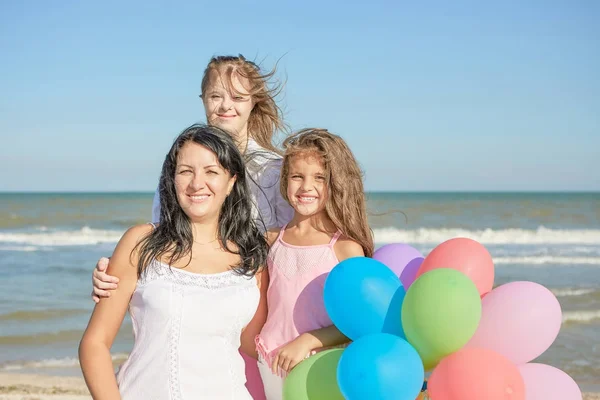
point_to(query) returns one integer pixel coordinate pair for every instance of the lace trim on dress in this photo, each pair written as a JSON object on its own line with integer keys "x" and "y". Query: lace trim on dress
{"x": 157, "y": 270}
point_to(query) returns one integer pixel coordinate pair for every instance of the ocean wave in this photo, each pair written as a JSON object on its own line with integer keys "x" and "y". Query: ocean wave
{"x": 67, "y": 362}
{"x": 581, "y": 316}
{"x": 80, "y": 237}
{"x": 571, "y": 292}
{"x": 541, "y": 235}
{"x": 543, "y": 260}
{"x": 424, "y": 236}
{"x": 26, "y": 249}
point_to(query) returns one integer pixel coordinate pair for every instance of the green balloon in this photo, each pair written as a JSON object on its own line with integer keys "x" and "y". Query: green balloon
{"x": 440, "y": 314}
{"x": 315, "y": 378}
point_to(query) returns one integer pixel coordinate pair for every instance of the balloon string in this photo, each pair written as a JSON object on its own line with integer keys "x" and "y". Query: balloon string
{"x": 424, "y": 395}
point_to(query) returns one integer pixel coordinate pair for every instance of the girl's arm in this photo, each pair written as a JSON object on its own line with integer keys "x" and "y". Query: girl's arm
{"x": 94, "y": 348}
{"x": 248, "y": 339}
{"x": 283, "y": 211}
{"x": 270, "y": 183}
{"x": 294, "y": 352}
{"x": 347, "y": 248}
{"x": 102, "y": 283}
{"x": 156, "y": 207}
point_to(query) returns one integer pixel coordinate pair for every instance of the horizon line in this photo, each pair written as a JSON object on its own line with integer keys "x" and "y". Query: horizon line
{"x": 499, "y": 191}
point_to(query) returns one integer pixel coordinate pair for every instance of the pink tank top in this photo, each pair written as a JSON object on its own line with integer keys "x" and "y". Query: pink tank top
{"x": 295, "y": 295}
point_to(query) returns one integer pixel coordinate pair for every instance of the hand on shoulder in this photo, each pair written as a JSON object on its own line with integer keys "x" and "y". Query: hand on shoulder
{"x": 347, "y": 248}
{"x": 102, "y": 282}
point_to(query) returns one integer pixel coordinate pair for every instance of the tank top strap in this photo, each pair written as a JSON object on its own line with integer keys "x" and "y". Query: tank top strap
{"x": 335, "y": 238}
{"x": 280, "y": 236}
{"x": 153, "y": 225}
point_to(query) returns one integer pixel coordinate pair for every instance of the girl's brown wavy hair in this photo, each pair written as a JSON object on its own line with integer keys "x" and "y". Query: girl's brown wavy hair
{"x": 266, "y": 118}
{"x": 346, "y": 203}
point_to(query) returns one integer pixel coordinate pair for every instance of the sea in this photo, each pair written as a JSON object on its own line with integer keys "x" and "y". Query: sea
{"x": 50, "y": 242}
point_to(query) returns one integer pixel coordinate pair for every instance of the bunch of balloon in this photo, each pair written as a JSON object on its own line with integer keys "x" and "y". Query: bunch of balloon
{"x": 480, "y": 341}
{"x": 363, "y": 298}
{"x": 442, "y": 308}
{"x": 442, "y": 313}
{"x": 407, "y": 314}
{"x": 520, "y": 321}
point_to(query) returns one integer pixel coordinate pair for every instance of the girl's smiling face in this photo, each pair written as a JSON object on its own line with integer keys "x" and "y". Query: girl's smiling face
{"x": 307, "y": 184}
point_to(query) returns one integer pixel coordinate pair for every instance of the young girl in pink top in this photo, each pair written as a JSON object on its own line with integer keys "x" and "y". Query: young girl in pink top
{"x": 322, "y": 181}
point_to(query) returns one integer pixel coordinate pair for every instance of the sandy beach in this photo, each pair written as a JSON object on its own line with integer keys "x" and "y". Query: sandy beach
{"x": 43, "y": 387}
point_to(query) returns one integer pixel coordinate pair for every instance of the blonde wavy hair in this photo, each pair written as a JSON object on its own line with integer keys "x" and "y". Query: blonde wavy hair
{"x": 346, "y": 202}
{"x": 266, "y": 118}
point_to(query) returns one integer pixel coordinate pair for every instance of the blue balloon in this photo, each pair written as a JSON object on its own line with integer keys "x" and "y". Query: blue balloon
{"x": 363, "y": 296}
{"x": 380, "y": 367}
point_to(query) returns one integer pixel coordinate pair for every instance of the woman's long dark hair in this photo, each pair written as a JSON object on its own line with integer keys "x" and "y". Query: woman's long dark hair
{"x": 173, "y": 236}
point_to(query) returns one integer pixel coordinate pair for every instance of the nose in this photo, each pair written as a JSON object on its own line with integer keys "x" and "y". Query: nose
{"x": 226, "y": 104}
{"x": 307, "y": 184}
{"x": 197, "y": 182}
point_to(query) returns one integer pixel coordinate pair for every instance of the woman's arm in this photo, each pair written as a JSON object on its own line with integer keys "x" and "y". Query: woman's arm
{"x": 102, "y": 282}
{"x": 94, "y": 348}
{"x": 248, "y": 339}
{"x": 248, "y": 345}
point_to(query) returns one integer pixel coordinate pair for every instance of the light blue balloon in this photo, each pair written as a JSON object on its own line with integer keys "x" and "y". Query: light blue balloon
{"x": 363, "y": 296}
{"x": 380, "y": 367}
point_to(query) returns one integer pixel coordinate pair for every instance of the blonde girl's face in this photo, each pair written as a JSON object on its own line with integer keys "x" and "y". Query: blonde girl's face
{"x": 306, "y": 184}
{"x": 228, "y": 107}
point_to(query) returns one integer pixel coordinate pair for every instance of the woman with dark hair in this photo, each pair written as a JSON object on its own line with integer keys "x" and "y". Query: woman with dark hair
{"x": 240, "y": 98}
{"x": 193, "y": 284}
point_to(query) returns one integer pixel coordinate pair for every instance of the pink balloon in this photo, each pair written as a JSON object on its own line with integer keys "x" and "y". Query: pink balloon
{"x": 544, "y": 382}
{"x": 466, "y": 256}
{"x": 519, "y": 320}
{"x": 476, "y": 374}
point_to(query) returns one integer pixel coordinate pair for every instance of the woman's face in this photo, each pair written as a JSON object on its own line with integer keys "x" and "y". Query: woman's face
{"x": 228, "y": 107}
{"x": 201, "y": 183}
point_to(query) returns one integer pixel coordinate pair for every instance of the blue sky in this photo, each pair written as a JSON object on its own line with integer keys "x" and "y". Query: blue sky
{"x": 432, "y": 96}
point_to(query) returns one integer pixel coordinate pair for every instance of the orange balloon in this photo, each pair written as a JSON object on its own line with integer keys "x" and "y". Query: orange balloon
{"x": 465, "y": 255}
{"x": 476, "y": 374}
